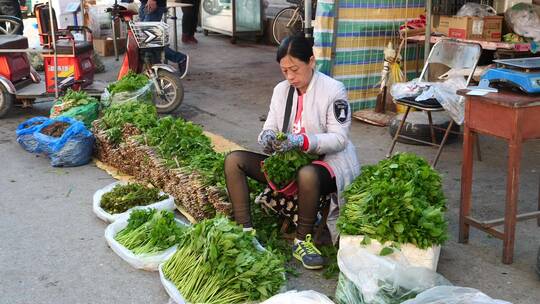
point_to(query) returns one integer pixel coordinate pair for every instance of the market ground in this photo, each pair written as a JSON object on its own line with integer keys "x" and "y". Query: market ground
{"x": 52, "y": 248}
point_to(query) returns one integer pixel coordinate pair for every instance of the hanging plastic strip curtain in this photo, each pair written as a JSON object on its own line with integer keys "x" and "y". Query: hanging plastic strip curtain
{"x": 357, "y": 31}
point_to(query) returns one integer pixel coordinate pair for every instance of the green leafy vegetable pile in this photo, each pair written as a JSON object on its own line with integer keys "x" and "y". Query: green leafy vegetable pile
{"x": 150, "y": 231}
{"x": 141, "y": 115}
{"x": 281, "y": 167}
{"x": 129, "y": 83}
{"x": 398, "y": 200}
{"x": 71, "y": 100}
{"x": 183, "y": 145}
{"x": 123, "y": 197}
{"x": 217, "y": 263}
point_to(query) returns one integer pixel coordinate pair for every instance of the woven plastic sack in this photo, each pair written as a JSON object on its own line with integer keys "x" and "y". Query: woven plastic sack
{"x": 25, "y": 134}
{"x": 85, "y": 113}
{"x": 166, "y": 204}
{"x": 144, "y": 94}
{"x": 73, "y": 148}
{"x": 144, "y": 262}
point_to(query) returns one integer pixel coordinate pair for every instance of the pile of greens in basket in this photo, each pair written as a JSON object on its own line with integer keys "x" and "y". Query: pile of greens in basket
{"x": 141, "y": 115}
{"x": 217, "y": 262}
{"x": 398, "y": 200}
{"x": 129, "y": 83}
{"x": 123, "y": 197}
{"x": 281, "y": 167}
{"x": 184, "y": 145}
{"x": 150, "y": 231}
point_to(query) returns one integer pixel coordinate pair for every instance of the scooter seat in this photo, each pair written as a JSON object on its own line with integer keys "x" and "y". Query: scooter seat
{"x": 65, "y": 47}
{"x": 13, "y": 42}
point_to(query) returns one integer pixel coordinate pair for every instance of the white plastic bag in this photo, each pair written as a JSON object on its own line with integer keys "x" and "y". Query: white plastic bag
{"x": 166, "y": 204}
{"x": 476, "y": 10}
{"x": 369, "y": 278}
{"x": 523, "y": 20}
{"x": 446, "y": 94}
{"x": 299, "y": 297}
{"x": 144, "y": 262}
{"x": 408, "y": 89}
{"x": 453, "y": 295}
{"x": 144, "y": 94}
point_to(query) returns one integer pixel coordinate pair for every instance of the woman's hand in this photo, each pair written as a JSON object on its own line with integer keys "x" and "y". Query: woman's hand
{"x": 293, "y": 141}
{"x": 266, "y": 140}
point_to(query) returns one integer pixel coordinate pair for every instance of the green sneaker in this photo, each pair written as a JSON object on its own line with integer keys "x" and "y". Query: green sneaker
{"x": 306, "y": 252}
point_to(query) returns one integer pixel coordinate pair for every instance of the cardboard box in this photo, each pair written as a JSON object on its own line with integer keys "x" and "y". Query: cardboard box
{"x": 472, "y": 28}
{"x": 105, "y": 47}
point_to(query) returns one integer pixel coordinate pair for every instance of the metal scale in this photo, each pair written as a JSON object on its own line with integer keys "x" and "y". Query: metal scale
{"x": 522, "y": 73}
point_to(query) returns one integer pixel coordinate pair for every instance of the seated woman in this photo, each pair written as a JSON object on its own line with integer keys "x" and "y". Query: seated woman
{"x": 320, "y": 122}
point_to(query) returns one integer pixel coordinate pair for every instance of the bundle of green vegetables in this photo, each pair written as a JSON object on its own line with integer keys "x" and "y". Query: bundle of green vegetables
{"x": 141, "y": 115}
{"x": 129, "y": 83}
{"x": 183, "y": 144}
{"x": 217, "y": 263}
{"x": 398, "y": 200}
{"x": 71, "y": 100}
{"x": 150, "y": 231}
{"x": 123, "y": 197}
{"x": 281, "y": 167}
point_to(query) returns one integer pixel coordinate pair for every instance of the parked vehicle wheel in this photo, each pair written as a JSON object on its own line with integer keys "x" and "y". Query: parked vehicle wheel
{"x": 288, "y": 22}
{"x": 172, "y": 92}
{"x": 6, "y": 101}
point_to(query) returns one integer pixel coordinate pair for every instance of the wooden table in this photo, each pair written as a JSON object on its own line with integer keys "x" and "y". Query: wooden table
{"x": 516, "y": 118}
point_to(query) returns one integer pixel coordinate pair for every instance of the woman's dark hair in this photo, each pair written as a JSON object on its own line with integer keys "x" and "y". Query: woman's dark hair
{"x": 296, "y": 46}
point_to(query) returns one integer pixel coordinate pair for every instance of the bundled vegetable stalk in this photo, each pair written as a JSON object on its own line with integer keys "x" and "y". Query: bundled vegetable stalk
{"x": 150, "y": 231}
{"x": 143, "y": 116}
{"x": 399, "y": 200}
{"x": 217, "y": 263}
{"x": 123, "y": 197}
{"x": 183, "y": 145}
{"x": 281, "y": 167}
{"x": 129, "y": 83}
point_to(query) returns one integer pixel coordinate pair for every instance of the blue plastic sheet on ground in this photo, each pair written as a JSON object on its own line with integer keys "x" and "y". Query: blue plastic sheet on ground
{"x": 25, "y": 134}
{"x": 73, "y": 148}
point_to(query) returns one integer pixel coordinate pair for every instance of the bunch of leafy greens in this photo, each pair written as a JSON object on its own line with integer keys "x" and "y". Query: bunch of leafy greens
{"x": 183, "y": 145}
{"x": 388, "y": 292}
{"x": 281, "y": 167}
{"x": 141, "y": 115}
{"x": 129, "y": 83}
{"x": 398, "y": 200}
{"x": 123, "y": 197}
{"x": 74, "y": 99}
{"x": 218, "y": 263}
{"x": 150, "y": 231}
